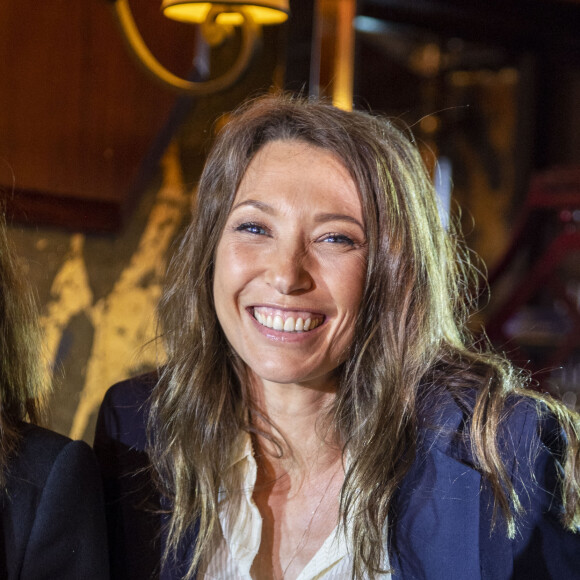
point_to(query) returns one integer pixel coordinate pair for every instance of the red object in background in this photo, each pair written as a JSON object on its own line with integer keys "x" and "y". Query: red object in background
{"x": 535, "y": 288}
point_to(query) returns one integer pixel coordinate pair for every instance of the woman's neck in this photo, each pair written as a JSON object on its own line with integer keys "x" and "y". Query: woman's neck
{"x": 295, "y": 417}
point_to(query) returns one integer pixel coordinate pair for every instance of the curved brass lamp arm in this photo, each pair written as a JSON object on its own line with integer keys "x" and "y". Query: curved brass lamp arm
{"x": 250, "y": 35}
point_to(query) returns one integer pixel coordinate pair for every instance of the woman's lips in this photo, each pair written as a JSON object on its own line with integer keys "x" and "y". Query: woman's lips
{"x": 287, "y": 320}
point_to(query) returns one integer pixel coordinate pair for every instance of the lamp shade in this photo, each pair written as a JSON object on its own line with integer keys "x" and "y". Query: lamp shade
{"x": 263, "y": 12}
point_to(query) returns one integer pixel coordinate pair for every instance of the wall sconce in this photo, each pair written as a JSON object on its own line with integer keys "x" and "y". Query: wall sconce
{"x": 217, "y": 20}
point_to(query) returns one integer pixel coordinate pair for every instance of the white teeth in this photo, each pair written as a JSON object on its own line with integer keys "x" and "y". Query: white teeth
{"x": 291, "y": 324}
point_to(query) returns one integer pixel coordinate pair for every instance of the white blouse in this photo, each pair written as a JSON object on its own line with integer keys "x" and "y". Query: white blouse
{"x": 242, "y": 530}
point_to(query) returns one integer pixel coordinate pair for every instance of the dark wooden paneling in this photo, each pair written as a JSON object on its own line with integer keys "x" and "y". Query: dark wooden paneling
{"x": 77, "y": 115}
{"x": 519, "y": 24}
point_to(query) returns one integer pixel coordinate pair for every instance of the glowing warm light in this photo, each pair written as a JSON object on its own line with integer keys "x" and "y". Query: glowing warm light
{"x": 344, "y": 55}
{"x": 263, "y": 12}
{"x": 216, "y": 20}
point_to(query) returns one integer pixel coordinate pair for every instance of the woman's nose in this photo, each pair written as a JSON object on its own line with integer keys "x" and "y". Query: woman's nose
{"x": 288, "y": 270}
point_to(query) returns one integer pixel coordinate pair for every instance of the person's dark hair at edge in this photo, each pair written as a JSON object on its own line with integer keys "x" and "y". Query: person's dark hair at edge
{"x": 23, "y": 388}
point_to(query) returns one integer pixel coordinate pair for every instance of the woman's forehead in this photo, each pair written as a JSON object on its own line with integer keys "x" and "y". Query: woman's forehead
{"x": 293, "y": 166}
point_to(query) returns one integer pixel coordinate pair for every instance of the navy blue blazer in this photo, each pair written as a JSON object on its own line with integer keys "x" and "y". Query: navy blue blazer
{"x": 440, "y": 524}
{"x": 52, "y": 512}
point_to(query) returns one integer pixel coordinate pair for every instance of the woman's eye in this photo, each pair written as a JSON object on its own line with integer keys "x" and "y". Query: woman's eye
{"x": 338, "y": 239}
{"x": 251, "y": 228}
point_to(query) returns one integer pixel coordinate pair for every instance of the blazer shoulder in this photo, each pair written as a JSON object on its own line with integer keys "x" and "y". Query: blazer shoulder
{"x": 442, "y": 496}
{"x": 133, "y": 392}
{"x": 34, "y": 436}
{"x": 38, "y": 450}
{"x": 123, "y": 413}
{"x": 525, "y": 426}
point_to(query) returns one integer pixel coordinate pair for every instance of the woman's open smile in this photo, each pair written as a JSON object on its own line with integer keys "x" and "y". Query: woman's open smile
{"x": 290, "y": 265}
{"x": 287, "y": 320}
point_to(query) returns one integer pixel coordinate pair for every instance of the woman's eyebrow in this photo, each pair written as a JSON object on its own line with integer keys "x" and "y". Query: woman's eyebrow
{"x": 319, "y": 218}
{"x": 255, "y": 203}
{"x": 329, "y": 217}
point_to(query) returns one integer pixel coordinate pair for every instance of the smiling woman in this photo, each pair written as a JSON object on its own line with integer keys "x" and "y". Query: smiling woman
{"x": 323, "y": 413}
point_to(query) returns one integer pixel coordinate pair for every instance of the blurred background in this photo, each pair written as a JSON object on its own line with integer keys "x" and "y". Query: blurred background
{"x": 100, "y": 154}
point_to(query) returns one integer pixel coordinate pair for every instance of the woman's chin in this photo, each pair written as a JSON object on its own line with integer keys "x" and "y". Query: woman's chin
{"x": 307, "y": 378}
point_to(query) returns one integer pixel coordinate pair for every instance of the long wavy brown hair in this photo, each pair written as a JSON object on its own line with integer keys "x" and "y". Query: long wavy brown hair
{"x": 23, "y": 387}
{"x": 410, "y": 341}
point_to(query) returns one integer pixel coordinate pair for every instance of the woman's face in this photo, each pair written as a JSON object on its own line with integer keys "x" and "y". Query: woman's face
{"x": 291, "y": 263}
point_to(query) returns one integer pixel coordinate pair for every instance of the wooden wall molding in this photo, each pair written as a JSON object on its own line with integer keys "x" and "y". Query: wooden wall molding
{"x": 77, "y": 115}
